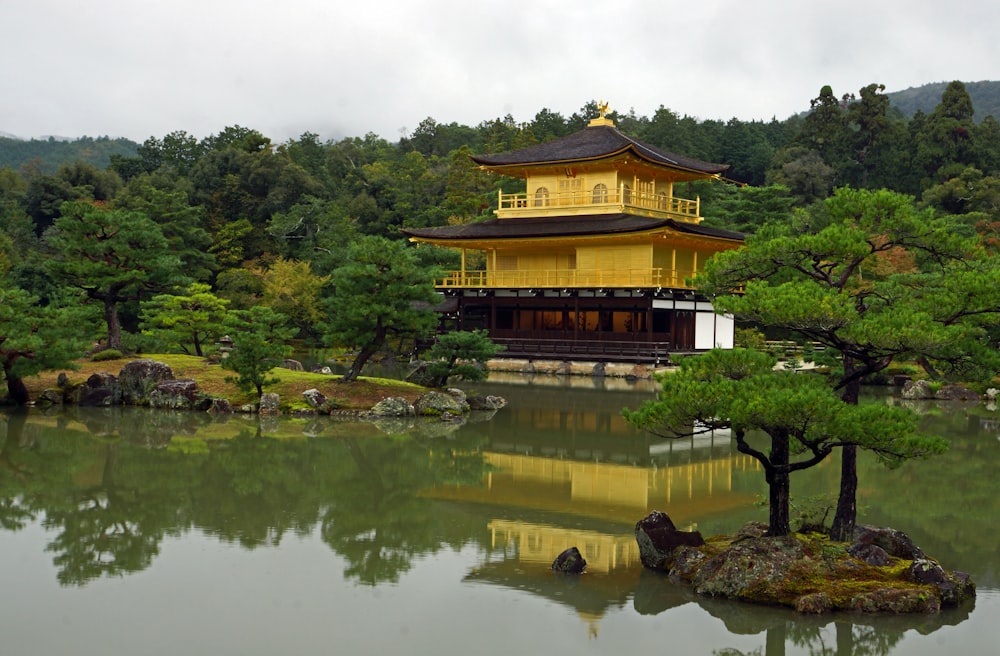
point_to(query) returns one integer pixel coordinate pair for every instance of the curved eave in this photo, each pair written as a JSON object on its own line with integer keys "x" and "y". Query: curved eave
{"x": 501, "y": 232}
{"x": 593, "y": 144}
{"x": 520, "y": 170}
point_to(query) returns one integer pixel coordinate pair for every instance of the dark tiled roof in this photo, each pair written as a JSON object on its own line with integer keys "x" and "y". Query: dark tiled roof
{"x": 593, "y": 143}
{"x": 565, "y": 226}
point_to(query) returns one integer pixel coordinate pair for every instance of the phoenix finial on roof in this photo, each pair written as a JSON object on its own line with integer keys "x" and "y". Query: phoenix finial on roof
{"x": 602, "y": 107}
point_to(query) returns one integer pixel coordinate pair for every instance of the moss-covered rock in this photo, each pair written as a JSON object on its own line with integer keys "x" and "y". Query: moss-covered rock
{"x": 883, "y": 572}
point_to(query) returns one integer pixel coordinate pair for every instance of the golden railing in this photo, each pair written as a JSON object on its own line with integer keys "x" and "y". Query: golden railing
{"x": 599, "y": 201}
{"x": 566, "y": 278}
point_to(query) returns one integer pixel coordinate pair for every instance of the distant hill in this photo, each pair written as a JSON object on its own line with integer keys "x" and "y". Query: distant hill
{"x": 53, "y": 152}
{"x": 985, "y": 98}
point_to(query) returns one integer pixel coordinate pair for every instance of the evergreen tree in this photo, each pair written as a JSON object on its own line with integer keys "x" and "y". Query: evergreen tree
{"x": 260, "y": 344}
{"x": 190, "y": 320}
{"x": 113, "y": 256}
{"x": 880, "y": 281}
{"x": 377, "y": 294}
{"x": 460, "y": 354}
{"x": 36, "y": 337}
{"x": 741, "y": 391}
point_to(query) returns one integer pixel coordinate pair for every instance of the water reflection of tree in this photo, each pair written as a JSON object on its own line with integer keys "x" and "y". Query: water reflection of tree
{"x": 14, "y": 513}
{"x": 378, "y": 522}
{"x": 112, "y": 495}
{"x": 106, "y": 529}
{"x": 823, "y": 635}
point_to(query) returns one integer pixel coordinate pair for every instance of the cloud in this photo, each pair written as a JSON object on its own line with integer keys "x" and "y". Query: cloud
{"x": 144, "y": 68}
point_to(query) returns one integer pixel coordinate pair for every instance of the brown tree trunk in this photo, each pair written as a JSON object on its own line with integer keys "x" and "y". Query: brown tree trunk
{"x": 847, "y": 505}
{"x": 114, "y": 325}
{"x": 847, "y": 509}
{"x": 778, "y": 488}
{"x": 17, "y": 393}
{"x": 359, "y": 363}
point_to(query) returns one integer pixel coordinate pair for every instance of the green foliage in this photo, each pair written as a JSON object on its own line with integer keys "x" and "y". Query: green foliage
{"x": 35, "y": 337}
{"x": 376, "y": 294}
{"x": 189, "y": 321}
{"x": 49, "y": 154}
{"x": 985, "y": 97}
{"x": 291, "y": 288}
{"x": 182, "y": 224}
{"x": 107, "y": 354}
{"x": 746, "y": 209}
{"x": 881, "y": 280}
{"x": 460, "y": 354}
{"x": 260, "y": 343}
{"x": 113, "y": 256}
{"x": 805, "y": 420}
{"x": 750, "y": 338}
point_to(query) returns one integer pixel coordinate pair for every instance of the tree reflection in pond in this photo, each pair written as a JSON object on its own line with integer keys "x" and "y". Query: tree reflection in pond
{"x": 110, "y": 493}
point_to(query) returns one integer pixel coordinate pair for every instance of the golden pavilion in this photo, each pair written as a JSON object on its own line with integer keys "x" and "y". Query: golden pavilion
{"x": 594, "y": 260}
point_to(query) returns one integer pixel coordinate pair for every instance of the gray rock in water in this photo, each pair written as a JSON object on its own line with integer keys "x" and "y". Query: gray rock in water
{"x": 916, "y": 389}
{"x": 394, "y": 406}
{"x": 487, "y": 403}
{"x": 570, "y": 562}
{"x": 956, "y": 393}
{"x": 658, "y": 538}
{"x": 435, "y": 404}
{"x": 177, "y": 394}
{"x": 220, "y": 407}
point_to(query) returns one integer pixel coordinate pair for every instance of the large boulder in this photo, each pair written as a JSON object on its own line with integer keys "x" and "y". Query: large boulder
{"x": 314, "y": 398}
{"x": 956, "y": 393}
{"x": 437, "y": 404}
{"x": 394, "y": 406}
{"x": 219, "y": 407}
{"x": 99, "y": 390}
{"x": 270, "y": 404}
{"x": 953, "y": 587}
{"x": 916, "y": 389}
{"x": 893, "y": 542}
{"x": 569, "y": 561}
{"x": 658, "y": 539}
{"x": 177, "y": 394}
{"x": 487, "y": 403}
{"x": 139, "y": 378}
{"x": 750, "y": 569}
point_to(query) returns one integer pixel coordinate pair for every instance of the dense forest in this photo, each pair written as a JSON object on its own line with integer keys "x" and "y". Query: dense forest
{"x": 259, "y": 223}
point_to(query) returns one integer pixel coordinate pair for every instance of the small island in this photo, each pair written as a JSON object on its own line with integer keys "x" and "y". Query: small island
{"x": 881, "y": 571}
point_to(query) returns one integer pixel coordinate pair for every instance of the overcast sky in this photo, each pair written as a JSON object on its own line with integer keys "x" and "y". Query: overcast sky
{"x": 140, "y": 68}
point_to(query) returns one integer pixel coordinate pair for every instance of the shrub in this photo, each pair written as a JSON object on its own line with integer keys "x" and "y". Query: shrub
{"x": 106, "y": 354}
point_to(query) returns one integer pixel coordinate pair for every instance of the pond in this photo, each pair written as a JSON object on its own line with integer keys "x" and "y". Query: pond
{"x": 152, "y": 532}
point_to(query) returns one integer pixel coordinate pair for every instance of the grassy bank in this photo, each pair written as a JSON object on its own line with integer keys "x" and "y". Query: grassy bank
{"x": 361, "y": 394}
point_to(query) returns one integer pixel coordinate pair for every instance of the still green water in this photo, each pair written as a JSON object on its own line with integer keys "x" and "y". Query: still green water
{"x": 141, "y": 532}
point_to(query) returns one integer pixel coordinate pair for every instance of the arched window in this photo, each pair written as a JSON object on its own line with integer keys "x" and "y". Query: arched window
{"x": 542, "y": 197}
{"x": 600, "y": 193}
{"x": 626, "y": 194}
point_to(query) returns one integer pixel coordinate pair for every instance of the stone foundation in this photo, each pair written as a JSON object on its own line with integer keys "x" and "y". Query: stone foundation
{"x": 574, "y": 368}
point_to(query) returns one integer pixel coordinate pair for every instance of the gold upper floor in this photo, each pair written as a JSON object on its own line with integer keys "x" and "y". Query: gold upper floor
{"x": 598, "y": 199}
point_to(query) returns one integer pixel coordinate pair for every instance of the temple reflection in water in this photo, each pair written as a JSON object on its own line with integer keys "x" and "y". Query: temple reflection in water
{"x": 556, "y": 464}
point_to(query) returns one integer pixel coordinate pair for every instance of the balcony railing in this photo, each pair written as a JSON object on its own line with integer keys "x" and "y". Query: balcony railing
{"x": 599, "y": 201}
{"x": 566, "y": 278}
